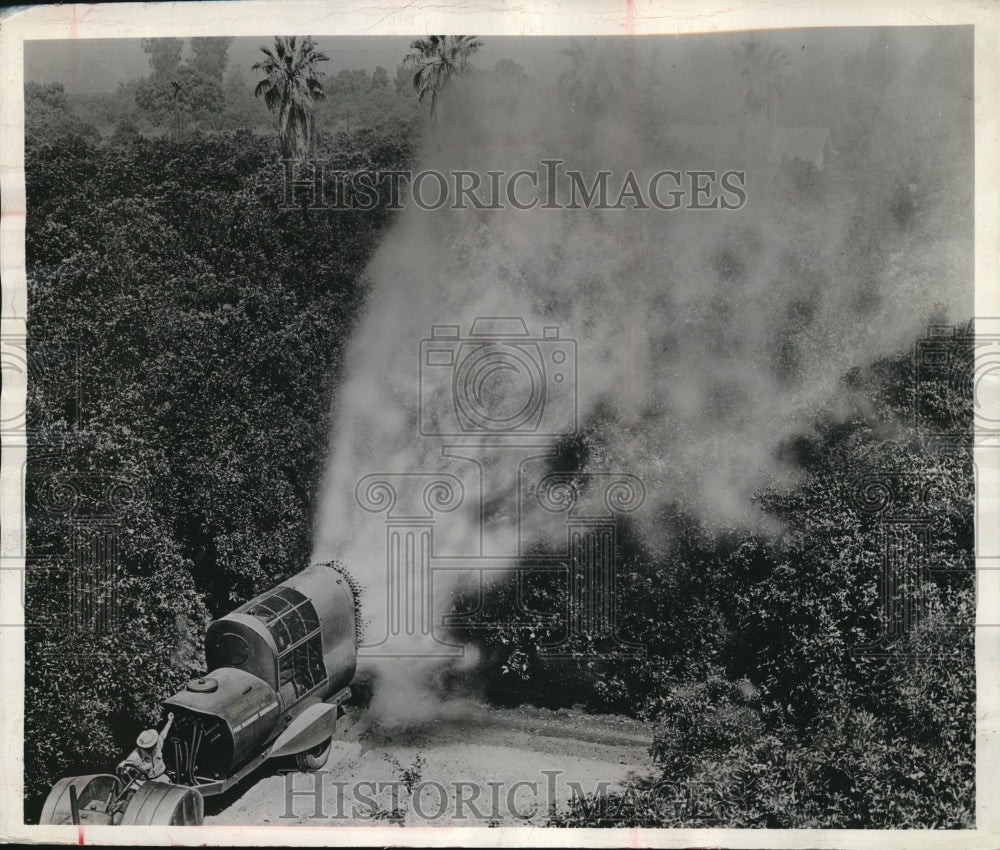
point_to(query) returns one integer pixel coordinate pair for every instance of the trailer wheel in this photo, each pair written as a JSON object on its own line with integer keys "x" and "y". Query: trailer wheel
{"x": 315, "y": 758}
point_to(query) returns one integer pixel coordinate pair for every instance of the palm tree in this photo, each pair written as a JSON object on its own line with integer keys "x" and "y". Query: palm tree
{"x": 591, "y": 84}
{"x": 177, "y": 110}
{"x": 291, "y": 86}
{"x": 437, "y": 59}
{"x": 763, "y": 68}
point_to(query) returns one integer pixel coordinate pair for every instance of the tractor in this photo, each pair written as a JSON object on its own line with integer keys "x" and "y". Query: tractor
{"x": 281, "y": 667}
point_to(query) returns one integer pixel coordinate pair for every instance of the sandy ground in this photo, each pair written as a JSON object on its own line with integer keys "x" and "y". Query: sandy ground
{"x": 473, "y": 765}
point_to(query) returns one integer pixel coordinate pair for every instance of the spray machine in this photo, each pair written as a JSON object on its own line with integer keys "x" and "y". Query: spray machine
{"x": 281, "y": 666}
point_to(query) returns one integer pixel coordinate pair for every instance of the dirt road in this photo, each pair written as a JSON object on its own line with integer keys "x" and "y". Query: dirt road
{"x": 473, "y": 765}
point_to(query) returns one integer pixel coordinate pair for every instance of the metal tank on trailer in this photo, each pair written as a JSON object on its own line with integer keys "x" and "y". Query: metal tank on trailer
{"x": 280, "y": 667}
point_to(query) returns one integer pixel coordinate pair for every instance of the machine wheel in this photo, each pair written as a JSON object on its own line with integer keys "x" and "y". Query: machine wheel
{"x": 163, "y": 804}
{"x": 315, "y": 758}
{"x": 94, "y": 794}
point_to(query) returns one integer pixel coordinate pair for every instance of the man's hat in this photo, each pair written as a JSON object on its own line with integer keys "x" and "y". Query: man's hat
{"x": 148, "y": 739}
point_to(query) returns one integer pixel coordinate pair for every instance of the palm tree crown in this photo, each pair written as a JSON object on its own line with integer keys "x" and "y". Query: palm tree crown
{"x": 438, "y": 58}
{"x": 591, "y": 84}
{"x": 763, "y": 67}
{"x": 291, "y": 86}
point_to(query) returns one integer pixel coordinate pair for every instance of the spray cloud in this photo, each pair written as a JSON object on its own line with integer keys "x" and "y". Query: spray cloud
{"x": 704, "y": 339}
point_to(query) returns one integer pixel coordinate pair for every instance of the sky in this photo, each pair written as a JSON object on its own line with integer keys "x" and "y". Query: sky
{"x": 97, "y": 65}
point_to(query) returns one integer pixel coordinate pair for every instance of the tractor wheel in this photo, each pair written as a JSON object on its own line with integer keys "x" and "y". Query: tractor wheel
{"x": 162, "y": 804}
{"x": 315, "y": 758}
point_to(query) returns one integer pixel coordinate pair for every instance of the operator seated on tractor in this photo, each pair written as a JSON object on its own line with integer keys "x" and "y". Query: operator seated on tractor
{"x": 146, "y": 760}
